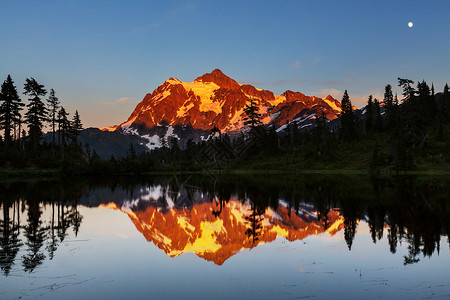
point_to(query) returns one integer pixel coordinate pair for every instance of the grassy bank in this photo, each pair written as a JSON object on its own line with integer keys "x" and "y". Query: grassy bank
{"x": 356, "y": 157}
{"x": 41, "y": 174}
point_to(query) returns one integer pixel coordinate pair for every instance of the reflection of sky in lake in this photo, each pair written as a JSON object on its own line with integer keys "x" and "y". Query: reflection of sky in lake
{"x": 110, "y": 259}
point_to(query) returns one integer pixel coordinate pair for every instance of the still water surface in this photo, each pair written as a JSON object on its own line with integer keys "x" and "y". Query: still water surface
{"x": 269, "y": 237}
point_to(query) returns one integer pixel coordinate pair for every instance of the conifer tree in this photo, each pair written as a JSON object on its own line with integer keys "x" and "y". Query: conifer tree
{"x": 321, "y": 129}
{"x": 446, "y": 103}
{"x": 369, "y": 114}
{"x": 131, "y": 152}
{"x": 63, "y": 124}
{"x": 377, "y": 121}
{"x": 63, "y": 128}
{"x": 19, "y": 126}
{"x": 348, "y": 122}
{"x": 24, "y": 135}
{"x": 76, "y": 126}
{"x": 389, "y": 105}
{"x": 412, "y": 116}
{"x": 37, "y": 112}
{"x": 394, "y": 117}
{"x": 10, "y": 106}
{"x": 252, "y": 115}
{"x": 426, "y": 101}
{"x": 388, "y": 96}
{"x": 53, "y": 105}
{"x": 408, "y": 90}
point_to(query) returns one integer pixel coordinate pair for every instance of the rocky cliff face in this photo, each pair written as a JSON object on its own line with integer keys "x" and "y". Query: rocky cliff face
{"x": 192, "y": 109}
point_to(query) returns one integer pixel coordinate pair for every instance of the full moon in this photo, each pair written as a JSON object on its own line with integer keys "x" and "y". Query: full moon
{"x": 410, "y": 24}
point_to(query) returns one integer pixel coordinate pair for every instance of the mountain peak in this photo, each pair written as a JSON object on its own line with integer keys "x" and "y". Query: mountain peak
{"x": 188, "y": 110}
{"x": 217, "y": 72}
{"x": 222, "y": 80}
{"x": 173, "y": 80}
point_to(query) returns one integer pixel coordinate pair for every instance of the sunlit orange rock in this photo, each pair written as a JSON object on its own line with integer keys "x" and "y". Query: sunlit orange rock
{"x": 215, "y": 99}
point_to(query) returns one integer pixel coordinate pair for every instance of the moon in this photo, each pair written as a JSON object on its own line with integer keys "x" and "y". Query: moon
{"x": 410, "y": 24}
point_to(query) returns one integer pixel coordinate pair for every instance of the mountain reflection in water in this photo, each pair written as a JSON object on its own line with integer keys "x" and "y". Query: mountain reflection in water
{"x": 216, "y": 237}
{"x": 215, "y": 219}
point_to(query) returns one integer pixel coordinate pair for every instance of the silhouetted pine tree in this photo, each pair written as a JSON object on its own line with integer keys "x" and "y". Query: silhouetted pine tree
{"x": 408, "y": 91}
{"x": 131, "y": 152}
{"x": 63, "y": 128}
{"x": 252, "y": 116}
{"x": 76, "y": 126}
{"x": 427, "y": 103}
{"x": 377, "y": 121}
{"x": 37, "y": 112}
{"x": 389, "y": 105}
{"x": 53, "y": 105}
{"x": 10, "y": 106}
{"x": 321, "y": 130}
{"x": 412, "y": 113}
{"x": 369, "y": 114}
{"x": 406, "y": 134}
{"x": 272, "y": 141}
{"x": 445, "y": 103}
{"x": 348, "y": 121}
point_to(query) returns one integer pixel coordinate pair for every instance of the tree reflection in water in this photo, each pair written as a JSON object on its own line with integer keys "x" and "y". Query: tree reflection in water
{"x": 39, "y": 237}
{"x": 411, "y": 210}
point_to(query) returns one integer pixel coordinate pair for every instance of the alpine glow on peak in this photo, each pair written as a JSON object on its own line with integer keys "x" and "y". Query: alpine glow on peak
{"x": 192, "y": 109}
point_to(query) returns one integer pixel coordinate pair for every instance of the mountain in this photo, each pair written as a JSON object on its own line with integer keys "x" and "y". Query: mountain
{"x": 191, "y": 109}
{"x": 105, "y": 144}
{"x": 217, "y": 237}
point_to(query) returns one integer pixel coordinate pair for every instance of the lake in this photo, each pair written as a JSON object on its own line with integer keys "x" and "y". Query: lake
{"x": 240, "y": 237}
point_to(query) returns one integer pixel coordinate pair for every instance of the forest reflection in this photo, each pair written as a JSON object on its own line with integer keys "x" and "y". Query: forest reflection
{"x": 38, "y": 237}
{"x": 217, "y": 217}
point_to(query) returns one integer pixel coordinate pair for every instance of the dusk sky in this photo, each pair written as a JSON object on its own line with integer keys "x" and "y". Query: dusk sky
{"x": 102, "y": 57}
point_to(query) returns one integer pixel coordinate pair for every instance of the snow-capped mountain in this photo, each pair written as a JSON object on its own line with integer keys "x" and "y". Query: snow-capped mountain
{"x": 191, "y": 109}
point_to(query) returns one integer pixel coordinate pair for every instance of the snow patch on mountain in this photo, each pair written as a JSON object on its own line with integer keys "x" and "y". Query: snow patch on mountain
{"x": 126, "y": 126}
{"x": 153, "y": 141}
{"x": 170, "y": 133}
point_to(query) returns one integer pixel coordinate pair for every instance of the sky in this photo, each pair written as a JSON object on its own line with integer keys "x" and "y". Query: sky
{"x": 102, "y": 57}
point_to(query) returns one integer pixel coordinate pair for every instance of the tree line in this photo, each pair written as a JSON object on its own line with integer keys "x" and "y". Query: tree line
{"x": 398, "y": 131}
{"x": 21, "y": 147}
{"x": 409, "y": 124}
